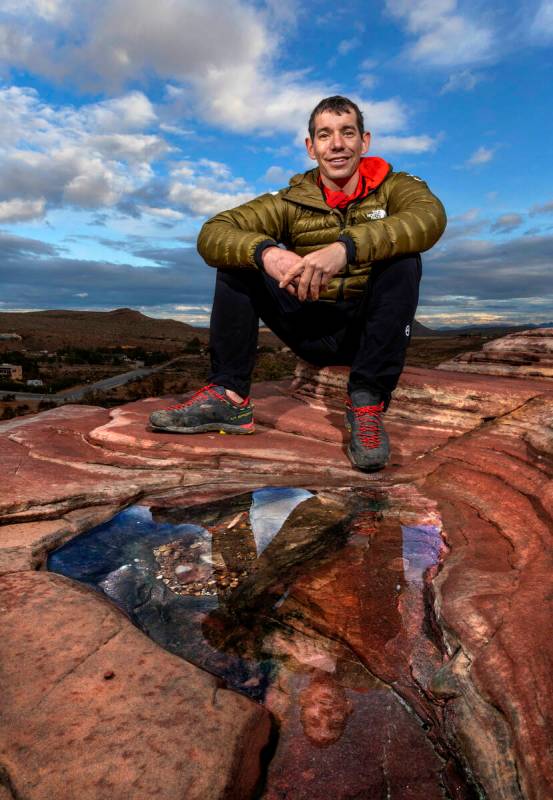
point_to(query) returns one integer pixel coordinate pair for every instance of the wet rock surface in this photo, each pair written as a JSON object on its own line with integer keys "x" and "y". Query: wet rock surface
{"x": 464, "y": 659}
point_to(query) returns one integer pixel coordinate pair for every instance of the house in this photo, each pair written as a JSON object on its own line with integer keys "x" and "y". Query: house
{"x": 11, "y": 372}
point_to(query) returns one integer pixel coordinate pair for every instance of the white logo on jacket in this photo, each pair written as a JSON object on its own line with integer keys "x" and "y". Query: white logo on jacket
{"x": 377, "y": 213}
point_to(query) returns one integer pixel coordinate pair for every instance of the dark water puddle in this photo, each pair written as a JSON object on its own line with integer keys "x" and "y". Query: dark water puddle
{"x": 311, "y": 606}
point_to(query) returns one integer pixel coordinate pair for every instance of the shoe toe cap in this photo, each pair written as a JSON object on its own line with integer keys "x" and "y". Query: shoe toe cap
{"x": 159, "y": 419}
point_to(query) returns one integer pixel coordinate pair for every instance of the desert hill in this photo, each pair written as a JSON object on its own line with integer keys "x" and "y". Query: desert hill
{"x": 51, "y": 330}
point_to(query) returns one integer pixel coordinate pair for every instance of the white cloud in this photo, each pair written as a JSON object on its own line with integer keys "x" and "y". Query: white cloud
{"x": 481, "y": 156}
{"x": 443, "y": 36}
{"x": 403, "y": 144}
{"x": 47, "y": 9}
{"x": 168, "y": 214}
{"x": 175, "y": 130}
{"x": 219, "y": 60}
{"x": 347, "y": 45}
{"x": 467, "y": 216}
{"x": 463, "y": 81}
{"x": 220, "y": 57}
{"x": 507, "y": 222}
{"x": 367, "y": 80}
{"x": 132, "y": 111}
{"x": 368, "y": 63}
{"x": 277, "y": 175}
{"x": 18, "y": 210}
{"x": 55, "y": 155}
{"x": 207, "y": 187}
{"x": 545, "y": 208}
{"x": 129, "y": 147}
{"x": 283, "y": 11}
{"x": 203, "y": 202}
{"x": 542, "y": 25}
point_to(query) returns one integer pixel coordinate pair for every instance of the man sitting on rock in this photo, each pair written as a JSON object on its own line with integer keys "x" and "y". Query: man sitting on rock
{"x": 331, "y": 264}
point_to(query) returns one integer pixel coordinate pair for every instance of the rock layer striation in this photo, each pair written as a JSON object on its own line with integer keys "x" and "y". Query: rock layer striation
{"x": 525, "y": 354}
{"x": 476, "y": 450}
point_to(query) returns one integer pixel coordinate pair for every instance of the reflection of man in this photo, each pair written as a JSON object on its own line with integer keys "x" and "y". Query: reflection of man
{"x": 324, "y": 710}
{"x": 331, "y": 265}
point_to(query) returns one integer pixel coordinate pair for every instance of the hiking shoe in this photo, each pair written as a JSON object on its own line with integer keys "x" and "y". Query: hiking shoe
{"x": 369, "y": 447}
{"x": 209, "y": 409}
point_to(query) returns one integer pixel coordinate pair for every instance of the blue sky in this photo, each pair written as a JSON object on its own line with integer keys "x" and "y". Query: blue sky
{"x": 125, "y": 124}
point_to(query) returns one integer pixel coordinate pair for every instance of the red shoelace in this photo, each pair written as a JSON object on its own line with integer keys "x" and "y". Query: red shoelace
{"x": 368, "y": 419}
{"x": 204, "y": 393}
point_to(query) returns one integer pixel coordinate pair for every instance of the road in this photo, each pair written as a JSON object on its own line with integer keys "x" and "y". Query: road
{"x": 72, "y": 395}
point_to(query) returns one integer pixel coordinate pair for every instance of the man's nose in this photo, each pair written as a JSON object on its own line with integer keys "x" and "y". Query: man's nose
{"x": 337, "y": 141}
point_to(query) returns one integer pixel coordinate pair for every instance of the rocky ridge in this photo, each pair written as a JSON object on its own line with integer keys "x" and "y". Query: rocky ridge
{"x": 525, "y": 354}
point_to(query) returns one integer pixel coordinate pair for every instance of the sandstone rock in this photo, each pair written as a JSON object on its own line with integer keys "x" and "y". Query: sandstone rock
{"x": 470, "y": 452}
{"x": 525, "y": 354}
{"x": 91, "y": 708}
{"x": 26, "y": 545}
{"x": 494, "y": 605}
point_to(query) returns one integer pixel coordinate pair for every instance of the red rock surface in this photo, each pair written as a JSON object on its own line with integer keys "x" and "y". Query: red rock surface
{"x": 92, "y": 709}
{"x": 525, "y": 354}
{"x": 477, "y": 452}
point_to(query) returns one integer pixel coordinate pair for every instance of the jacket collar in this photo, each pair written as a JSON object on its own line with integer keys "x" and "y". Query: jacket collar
{"x": 304, "y": 189}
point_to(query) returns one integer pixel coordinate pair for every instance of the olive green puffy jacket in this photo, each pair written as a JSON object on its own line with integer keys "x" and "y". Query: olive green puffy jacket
{"x": 399, "y": 216}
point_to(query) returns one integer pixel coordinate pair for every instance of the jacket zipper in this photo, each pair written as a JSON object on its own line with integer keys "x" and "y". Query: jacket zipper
{"x": 343, "y": 226}
{"x": 340, "y": 295}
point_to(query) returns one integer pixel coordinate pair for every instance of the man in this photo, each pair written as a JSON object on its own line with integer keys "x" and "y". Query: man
{"x": 331, "y": 264}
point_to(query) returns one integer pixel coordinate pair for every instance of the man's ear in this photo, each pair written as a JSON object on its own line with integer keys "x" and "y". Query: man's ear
{"x": 309, "y": 148}
{"x": 366, "y": 141}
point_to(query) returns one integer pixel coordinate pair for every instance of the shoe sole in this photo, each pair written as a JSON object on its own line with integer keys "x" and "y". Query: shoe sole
{"x": 370, "y": 468}
{"x": 242, "y": 430}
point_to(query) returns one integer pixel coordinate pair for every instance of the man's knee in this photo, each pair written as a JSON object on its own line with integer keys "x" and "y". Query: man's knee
{"x": 238, "y": 277}
{"x": 398, "y": 276}
{"x": 409, "y": 265}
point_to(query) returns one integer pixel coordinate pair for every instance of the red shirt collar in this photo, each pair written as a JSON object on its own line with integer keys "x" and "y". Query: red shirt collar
{"x": 372, "y": 171}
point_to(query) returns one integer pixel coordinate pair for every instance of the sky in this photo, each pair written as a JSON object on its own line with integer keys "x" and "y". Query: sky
{"x": 125, "y": 124}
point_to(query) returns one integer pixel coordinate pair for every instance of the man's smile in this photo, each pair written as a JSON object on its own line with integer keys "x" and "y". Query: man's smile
{"x": 338, "y": 160}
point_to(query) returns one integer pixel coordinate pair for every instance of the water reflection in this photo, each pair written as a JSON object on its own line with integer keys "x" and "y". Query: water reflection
{"x": 170, "y": 574}
{"x": 421, "y": 550}
{"x": 308, "y": 603}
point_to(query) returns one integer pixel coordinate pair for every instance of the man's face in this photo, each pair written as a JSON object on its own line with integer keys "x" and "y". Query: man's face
{"x": 337, "y": 145}
{"x": 324, "y": 710}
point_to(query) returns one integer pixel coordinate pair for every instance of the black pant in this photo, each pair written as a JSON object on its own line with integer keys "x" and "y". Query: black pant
{"x": 370, "y": 334}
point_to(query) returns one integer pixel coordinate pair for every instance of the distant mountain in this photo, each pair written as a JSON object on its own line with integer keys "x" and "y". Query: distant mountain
{"x": 421, "y": 330}
{"x": 51, "y": 330}
{"x": 493, "y": 329}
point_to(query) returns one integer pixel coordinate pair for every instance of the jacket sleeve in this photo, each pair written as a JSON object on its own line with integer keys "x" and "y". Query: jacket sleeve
{"x": 236, "y": 238}
{"x": 416, "y": 220}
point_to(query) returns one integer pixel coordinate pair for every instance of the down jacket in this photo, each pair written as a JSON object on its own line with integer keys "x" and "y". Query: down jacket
{"x": 399, "y": 216}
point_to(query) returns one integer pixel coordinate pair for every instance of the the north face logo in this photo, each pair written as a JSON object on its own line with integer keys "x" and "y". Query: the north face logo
{"x": 377, "y": 213}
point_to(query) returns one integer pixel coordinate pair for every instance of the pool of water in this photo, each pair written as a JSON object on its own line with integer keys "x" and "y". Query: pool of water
{"x": 314, "y": 606}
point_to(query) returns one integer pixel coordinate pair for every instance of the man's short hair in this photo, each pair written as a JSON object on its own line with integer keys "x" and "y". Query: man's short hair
{"x": 338, "y": 105}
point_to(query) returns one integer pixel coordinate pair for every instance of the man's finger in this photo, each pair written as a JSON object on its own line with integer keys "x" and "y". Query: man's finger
{"x": 305, "y": 281}
{"x": 291, "y": 289}
{"x": 315, "y": 285}
{"x": 293, "y": 272}
{"x": 325, "y": 280}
